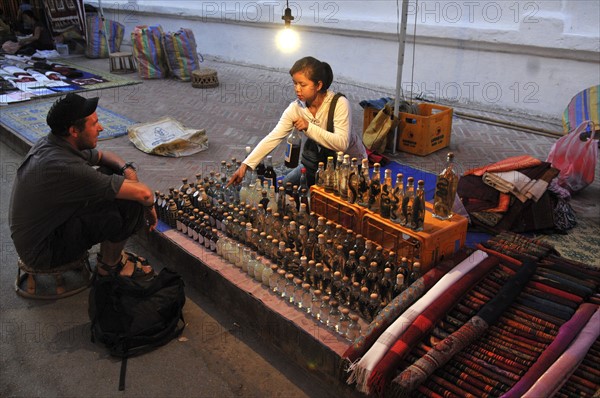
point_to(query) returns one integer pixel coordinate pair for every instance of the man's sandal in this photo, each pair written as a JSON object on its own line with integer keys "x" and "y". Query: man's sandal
{"x": 138, "y": 271}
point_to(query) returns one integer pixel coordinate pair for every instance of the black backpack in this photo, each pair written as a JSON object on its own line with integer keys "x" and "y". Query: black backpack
{"x": 132, "y": 317}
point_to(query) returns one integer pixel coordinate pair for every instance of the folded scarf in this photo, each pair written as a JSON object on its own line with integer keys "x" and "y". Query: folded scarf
{"x": 439, "y": 355}
{"x": 567, "y": 332}
{"x": 400, "y": 303}
{"x": 361, "y": 371}
{"x": 558, "y": 373}
{"x": 424, "y": 322}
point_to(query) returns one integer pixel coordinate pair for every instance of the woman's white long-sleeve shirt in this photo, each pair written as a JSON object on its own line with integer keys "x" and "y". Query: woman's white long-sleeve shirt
{"x": 342, "y": 138}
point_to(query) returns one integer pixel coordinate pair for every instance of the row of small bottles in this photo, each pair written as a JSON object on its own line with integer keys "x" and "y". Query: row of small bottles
{"x": 401, "y": 203}
{"x": 366, "y": 274}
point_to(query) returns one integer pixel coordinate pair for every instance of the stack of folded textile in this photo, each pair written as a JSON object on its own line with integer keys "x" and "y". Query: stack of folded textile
{"x": 515, "y": 194}
{"x": 507, "y": 316}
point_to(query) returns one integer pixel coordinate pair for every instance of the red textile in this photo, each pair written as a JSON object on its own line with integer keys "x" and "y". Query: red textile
{"x": 382, "y": 373}
{"x": 508, "y": 164}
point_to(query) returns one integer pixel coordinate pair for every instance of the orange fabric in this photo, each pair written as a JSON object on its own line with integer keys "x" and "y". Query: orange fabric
{"x": 508, "y": 164}
{"x": 503, "y": 204}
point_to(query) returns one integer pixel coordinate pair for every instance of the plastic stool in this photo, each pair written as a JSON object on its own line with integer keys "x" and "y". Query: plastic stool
{"x": 122, "y": 62}
{"x": 58, "y": 275}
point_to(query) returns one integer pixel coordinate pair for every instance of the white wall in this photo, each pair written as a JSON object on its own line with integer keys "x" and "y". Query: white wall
{"x": 531, "y": 56}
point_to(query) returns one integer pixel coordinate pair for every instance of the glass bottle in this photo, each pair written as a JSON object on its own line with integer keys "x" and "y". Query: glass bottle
{"x": 266, "y": 273}
{"x": 375, "y": 189}
{"x": 343, "y": 322}
{"x": 309, "y": 275}
{"x": 344, "y": 170}
{"x": 274, "y": 278}
{"x": 386, "y": 286}
{"x": 354, "y": 296}
{"x": 214, "y": 239}
{"x": 302, "y": 216}
{"x": 374, "y": 306}
{"x": 387, "y": 193}
{"x": 363, "y": 184}
{"x": 361, "y": 270}
{"x": 339, "y": 260}
{"x": 403, "y": 268}
{"x": 245, "y": 259}
{"x": 315, "y": 305}
{"x": 191, "y": 232}
{"x": 319, "y": 177}
{"x": 445, "y": 190}
{"x": 303, "y": 180}
{"x": 251, "y": 267}
{"x": 419, "y": 207}
{"x": 311, "y": 242}
{"x": 303, "y": 268}
{"x": 407, "y": 202}
{"x": 354, "y": 329}
{"x": 319, "y": 250}
{"x": 270, "y": 176}
{"x": 318, "y": 277}
{"x": 321, "y": 225}
{"x": 337, "y": 286}
{"x": 272, "y": 199}
{"x": 324, "y": 310}
{"x": 363, "y": 303}
{"x": 371, "y": 281}
{"x": 306, "y": 301}
{"x": 391, "y": 262}
{"x": 292, "y": 149}
{"x": 337, "y": 176}
{"x": 353, "y": 182}
{"x": 289, "y": 288}
{"x": 326, "y": 281}
{"x": 329, "y": 175}
{"x": 369, "y": 251}
{"x": 259, "y": 268}
{"x": 260, "y": 171}
{"x": 298, "y": 293}
{"x": 302, "y": 239}
{"x": 281, "y": 200}
{"x": 345, "y": 291}
{"x": 399, "y": 286}
{"x": 350, "y": 264}
{"x": 334, "y": 314}
{"x": 415, "y": 273}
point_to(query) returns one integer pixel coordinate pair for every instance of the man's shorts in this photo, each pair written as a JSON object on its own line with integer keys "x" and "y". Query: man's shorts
{"x": 113, "y": 221}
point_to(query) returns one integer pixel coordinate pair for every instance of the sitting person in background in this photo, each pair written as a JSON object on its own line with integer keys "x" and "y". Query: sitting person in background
{"x": 5, "y": 30}
{"x": 40, "y": 39}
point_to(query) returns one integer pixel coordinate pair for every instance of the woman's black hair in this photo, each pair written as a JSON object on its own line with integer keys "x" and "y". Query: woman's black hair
{"x": 315, "y": 70}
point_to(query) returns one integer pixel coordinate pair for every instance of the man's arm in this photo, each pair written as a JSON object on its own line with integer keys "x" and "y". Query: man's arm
{"x": 114, "y": 162}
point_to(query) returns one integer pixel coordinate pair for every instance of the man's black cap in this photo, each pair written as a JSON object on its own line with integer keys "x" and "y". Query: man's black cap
{"x": 65, "y": 111}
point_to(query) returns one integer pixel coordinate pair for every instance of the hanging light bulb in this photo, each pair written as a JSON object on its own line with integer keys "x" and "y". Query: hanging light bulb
{"x": 287, "y": 39}
{"x": 287, "y": 15}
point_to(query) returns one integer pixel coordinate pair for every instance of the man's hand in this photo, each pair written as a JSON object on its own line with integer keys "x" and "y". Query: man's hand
{"x": 151, "y": 217}
{"x": 238, "y": 176}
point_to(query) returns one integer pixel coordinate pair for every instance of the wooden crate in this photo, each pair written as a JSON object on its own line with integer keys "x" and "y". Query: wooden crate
{"x": 438, "y": 239}
{"x": 369, "y": 114}
{"x": 335, "y": 208}
{"x": 426, "y": 132}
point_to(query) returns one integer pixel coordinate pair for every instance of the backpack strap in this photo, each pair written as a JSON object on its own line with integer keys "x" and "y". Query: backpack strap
{"x": 334, "y": 101}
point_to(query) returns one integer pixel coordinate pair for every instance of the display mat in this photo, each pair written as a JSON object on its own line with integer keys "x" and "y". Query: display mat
{"x": 108, "y": 81}
{"x": 28, "y": 120}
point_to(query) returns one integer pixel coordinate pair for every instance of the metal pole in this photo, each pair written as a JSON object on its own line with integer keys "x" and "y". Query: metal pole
{"x": 401, "y": 45}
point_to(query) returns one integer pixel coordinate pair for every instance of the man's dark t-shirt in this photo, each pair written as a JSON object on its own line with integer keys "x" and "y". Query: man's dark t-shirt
{"x": 54, "y": 182}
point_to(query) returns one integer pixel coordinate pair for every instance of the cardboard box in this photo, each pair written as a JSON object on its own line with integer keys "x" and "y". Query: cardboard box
{"x": 426, "y": 132}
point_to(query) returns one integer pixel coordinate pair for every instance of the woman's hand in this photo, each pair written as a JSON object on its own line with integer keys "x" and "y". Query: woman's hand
{"x": 301, "y": 124}
{"x": 238, "y": 176}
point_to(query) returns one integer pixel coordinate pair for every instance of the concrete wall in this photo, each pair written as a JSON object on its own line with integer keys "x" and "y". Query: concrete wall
{"x": 530, "y": 56}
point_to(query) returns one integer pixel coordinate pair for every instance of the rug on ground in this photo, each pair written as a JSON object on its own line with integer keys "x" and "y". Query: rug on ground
{"x": 28, "y": 120}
